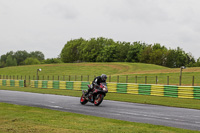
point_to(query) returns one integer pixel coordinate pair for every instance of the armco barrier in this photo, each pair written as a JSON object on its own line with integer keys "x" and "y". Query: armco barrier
{"x": 13, "y": 83}
{"x": 70, "y": 85}
{"x": 142, "y": 89}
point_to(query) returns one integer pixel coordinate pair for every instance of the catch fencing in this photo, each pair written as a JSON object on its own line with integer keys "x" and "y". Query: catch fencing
{"x": 185, "y": 80}
{"x": 129, "y": 88}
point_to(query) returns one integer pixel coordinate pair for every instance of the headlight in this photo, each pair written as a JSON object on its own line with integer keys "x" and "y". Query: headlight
{"x": 104, "y": 89}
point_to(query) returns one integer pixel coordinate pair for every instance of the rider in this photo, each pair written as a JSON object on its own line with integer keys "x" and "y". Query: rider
{"x": 96, "y": 82}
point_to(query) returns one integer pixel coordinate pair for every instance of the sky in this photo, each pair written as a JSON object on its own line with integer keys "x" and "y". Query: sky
{"x": 47, "y": 25}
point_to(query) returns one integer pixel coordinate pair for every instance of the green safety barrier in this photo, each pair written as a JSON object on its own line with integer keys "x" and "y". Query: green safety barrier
{"x": 12, "y": 83}
{"x": 130, "y": 88}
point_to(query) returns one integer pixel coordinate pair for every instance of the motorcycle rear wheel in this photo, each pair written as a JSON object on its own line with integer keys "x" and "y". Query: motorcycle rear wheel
{"x": 83, "y": 100}
{"x": 98, "y": 99}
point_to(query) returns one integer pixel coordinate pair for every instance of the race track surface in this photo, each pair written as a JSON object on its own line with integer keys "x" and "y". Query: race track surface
{"x": 143, "y": 113}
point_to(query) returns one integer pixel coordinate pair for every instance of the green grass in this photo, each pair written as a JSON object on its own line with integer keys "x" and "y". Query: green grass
{"x": 87, "y": 71}
{"x": 16, "y": 118}
{"x": 79, "y": 69}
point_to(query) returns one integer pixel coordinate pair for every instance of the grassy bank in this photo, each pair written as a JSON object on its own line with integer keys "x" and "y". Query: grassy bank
{"x": 135, "y": 72}
{"x": 15, "y": 118}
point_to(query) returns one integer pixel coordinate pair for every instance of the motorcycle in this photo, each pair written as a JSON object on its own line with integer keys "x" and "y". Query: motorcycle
{"x": 96, "y": 96}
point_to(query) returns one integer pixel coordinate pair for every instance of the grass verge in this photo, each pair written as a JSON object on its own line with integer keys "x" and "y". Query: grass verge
{"x": 16, "y": 118}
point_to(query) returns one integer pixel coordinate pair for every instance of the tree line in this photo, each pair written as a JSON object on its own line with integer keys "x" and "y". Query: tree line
{"x": 106, "y": 50}
{"x": 25, "y": 58}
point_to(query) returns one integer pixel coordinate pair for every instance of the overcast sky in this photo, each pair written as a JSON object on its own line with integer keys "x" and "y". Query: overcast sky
{"x": 46, "y": 25}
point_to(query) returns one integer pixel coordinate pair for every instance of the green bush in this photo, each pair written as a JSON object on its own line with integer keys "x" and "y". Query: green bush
{"x": 31, "y": 61}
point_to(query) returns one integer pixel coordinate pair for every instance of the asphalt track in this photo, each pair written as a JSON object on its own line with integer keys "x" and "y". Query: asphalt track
{"x": 143, "y": 113}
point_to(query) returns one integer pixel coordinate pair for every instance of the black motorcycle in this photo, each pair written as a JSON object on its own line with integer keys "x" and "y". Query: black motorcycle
{"x": 96, "y": 95}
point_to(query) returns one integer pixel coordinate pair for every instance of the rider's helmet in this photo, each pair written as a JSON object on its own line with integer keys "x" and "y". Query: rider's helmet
{"x": 103, "y": 77}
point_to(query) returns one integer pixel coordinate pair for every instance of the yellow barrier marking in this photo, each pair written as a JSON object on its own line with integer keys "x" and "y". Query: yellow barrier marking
{"x": 32, "y": 83}
{"x": 112, "y": 87}
{"x": 17, "y": 83}
{"x": 157, "y": 90}
{"x": 132, "y": 88}
{"x": 185, "y": 92}
{"x": 39, "y": 83}
{"x": 7, "y": 82}
{"x": 1, "y": 82}
{"x": 62, "y": 85}
{"x": 77, "y": 85}
{"x": 50, "y": 84}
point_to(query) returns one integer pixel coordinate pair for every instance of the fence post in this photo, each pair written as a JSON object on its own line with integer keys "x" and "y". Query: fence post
{"x": 136, "y": 79}
{"x": 88, "y": 77}
{"x": 24, "y": 83}
{"x": 156, "y": 79}
{"x": 117, "y": 78}
{"x": 29, "y": 80}
{"x": 145, "y": 79}
{"x": 193, "y": 81}
{"x": 126, "y": 78}
{"x": 58, "y": 77}
{"x": 180, "y": 80}
{"x": 167, "y": 80}
{"x": 69, "y": 77}
{"x": 81, "y": 77}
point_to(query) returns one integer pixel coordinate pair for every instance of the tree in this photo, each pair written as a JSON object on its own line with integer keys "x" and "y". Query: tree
{"x": 31, "y": 61}
{"x": 144, "y": 55}
{"x": 21, "y": 56}
{"x": 158, "y": 55}
{"x": 134, "y": 51}
{"x": 10, "y": 61}
{"x": 122, "y": 50}
{"x": 52, "y": 61}
{"x": 171, "y": 58}
{"x": 37, "y": 54}
{"x": 89, "y": 50}
{"x": 108, "y": 54}
{"x": 71, "y": 51}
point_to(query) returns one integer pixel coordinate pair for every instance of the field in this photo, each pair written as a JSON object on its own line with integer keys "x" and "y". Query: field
{"x": 15, "y": 118}
{"x": 117, "y": 72}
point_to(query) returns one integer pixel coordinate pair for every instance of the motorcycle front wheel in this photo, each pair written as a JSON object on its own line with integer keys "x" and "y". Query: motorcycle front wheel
{"x": 98, "y": 99}
{"x": 83, "y": 100}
